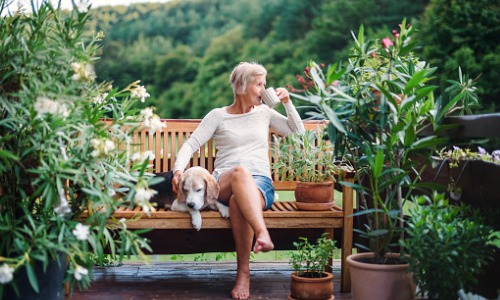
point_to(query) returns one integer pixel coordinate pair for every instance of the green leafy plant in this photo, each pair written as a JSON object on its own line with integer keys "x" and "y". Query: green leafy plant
{"x": 447, "y": 246}
{"x": 379, "y": 103}
{"x": 58, "y": 158}
{"x": 298, "y": 156}
{"x": 310, "y": 260}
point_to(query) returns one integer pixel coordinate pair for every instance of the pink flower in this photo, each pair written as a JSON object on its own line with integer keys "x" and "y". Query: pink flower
{"x": 386, "y": 42}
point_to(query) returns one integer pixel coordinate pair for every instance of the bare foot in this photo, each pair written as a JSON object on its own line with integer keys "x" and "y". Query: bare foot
{"x": 263, "y": 243}
{"x": 241, "y": 289}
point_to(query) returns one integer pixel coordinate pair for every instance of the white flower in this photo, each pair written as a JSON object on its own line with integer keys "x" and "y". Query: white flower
{"x": 149, "y": 155}
{"x": 82, "y": 6}
{"x": 80, "y": 272}
{"x": 136, "y": 156}
{"x": 63, "y": 207}
{"x": 63, "y": 153}
{"x": 147, "y": 113}
{"x": 44, "y": 105}
{"x": 95, "y": 143}
{"x": 103, "y": 146}
{"x": 6, "y": 274}
{"x": 108, "y": 146}
{"x": 123, "y": 221}
{"x": 139, "y": 92}
{"x": 154, "y": 124}
{"x": 99, "y": 99}
{"x": 82, "y": 72}
{"x": 111, "y": 192}
{"x": 81, "y": 231}
{"x": 142, "y": 195}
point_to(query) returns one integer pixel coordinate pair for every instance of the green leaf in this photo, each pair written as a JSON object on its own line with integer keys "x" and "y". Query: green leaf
{"x": 379, "y": 163}
{"x": 424, "y": 143}
{"x": 32, "y": 277}
{"x": 332, "y": 116}
{"x": 450, "y": 104}
{"x": 415, "y": 81}
{"x": 410, "y": 136}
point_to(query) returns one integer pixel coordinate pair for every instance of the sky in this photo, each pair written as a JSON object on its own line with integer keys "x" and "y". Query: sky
{"x": 67, "y": 3}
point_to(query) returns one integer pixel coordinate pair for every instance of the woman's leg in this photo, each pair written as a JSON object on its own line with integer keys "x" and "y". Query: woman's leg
{"x": 245, "y": 204}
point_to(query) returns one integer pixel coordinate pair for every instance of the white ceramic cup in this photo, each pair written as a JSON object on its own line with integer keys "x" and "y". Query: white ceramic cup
{"x": 270, "y": 98}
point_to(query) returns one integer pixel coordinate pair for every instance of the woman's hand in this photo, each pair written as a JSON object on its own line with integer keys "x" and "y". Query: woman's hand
{"x": 175, "y": 181}
{"x": 283, "y": 95}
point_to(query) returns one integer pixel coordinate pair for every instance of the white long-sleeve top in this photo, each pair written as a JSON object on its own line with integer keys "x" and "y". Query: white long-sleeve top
{"x": 240, "y": 139}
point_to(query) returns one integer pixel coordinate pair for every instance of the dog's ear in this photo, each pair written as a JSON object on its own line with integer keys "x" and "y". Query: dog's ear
{"x": 181, "y": 194}
{"x": 212, "y": 191}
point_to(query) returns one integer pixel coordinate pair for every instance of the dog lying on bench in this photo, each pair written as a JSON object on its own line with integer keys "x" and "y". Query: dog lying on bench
{"x": 198, "y": 190}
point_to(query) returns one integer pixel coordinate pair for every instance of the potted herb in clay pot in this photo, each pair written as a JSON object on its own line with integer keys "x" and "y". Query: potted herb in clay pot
{"x": 308, "y": 158}
{"x": 380, "y": 135}
{"x": 310, "y": 279}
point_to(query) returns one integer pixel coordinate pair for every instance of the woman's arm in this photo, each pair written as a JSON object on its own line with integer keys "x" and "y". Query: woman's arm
{"x": 200, "y": 136}
{"x": 289, "y": 124}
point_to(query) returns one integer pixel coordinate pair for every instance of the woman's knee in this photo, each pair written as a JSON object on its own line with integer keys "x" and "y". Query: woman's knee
{"x": 240, "y": 173}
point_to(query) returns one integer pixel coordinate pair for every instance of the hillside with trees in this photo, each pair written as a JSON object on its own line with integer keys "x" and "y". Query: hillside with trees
{"x": 184, "y": 50}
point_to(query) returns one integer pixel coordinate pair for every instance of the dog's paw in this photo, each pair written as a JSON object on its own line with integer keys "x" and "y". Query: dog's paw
{"x": 223, "y": 210}
{"x": 196, "y": 219}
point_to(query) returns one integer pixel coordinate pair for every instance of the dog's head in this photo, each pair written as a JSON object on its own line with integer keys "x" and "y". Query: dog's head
{"x": 197, "y": 188}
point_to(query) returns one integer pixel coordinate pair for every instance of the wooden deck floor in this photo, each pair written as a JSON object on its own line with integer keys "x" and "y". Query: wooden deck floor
{"x": 212, "y": 280}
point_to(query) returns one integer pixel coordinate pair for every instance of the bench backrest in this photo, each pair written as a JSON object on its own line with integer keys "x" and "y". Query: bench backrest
{"x": 165, "y": 145}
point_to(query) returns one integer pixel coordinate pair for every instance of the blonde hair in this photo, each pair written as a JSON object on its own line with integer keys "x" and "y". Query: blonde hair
{"x": 243, "y": 74}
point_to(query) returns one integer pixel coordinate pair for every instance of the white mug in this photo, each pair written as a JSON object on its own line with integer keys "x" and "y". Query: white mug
{"x": 270, "y": 98}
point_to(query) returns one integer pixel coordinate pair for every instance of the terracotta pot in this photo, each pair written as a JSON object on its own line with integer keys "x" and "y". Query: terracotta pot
{"x": 311, "y": 288}
{"x": 382, "y": 282}
{"x": 314, "y": 195}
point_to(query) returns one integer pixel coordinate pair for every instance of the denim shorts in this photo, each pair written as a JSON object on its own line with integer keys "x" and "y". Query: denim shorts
{"x": 266, "y": 188}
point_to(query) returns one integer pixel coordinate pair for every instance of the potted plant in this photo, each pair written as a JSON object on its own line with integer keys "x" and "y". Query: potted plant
{"x": 57, "y": 157}
{"x": 307, "y": 158}
{"x": 469, "y": 177}
{"x": 310, "y": 279}
{"x": 448, "y": 246}
{"x": 379, "y": 103}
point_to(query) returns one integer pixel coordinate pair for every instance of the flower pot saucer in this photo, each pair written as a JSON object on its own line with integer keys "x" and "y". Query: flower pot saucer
{"x": 291, "y": 298}
{"x": 314, "y": 206}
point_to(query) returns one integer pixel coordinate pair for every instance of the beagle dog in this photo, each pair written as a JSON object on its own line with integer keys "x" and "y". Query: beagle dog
{"x": 197, "y": 190}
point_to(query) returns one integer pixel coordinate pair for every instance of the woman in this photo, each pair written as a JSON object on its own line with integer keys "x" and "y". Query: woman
{"x": 242, "y": 167}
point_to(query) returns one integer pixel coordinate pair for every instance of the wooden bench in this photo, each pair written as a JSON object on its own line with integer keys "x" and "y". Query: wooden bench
{"x": 173, "y": 232}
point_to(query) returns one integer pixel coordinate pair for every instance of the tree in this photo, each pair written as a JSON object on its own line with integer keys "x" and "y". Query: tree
{"x": 466, "y": 34}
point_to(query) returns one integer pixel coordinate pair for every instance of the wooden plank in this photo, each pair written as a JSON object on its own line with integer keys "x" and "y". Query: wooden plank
{"x": 187, "y": 280}
{"x": 347, "y": 239}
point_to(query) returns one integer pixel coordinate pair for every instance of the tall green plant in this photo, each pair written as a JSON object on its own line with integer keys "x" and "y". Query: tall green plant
{"x": 57, "y": 156}
{"x": 383, "y": 119}
{"x": 447, "y": 246}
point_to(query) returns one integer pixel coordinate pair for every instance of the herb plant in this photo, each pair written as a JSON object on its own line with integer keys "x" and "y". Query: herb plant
{"x": 310, "y": 260}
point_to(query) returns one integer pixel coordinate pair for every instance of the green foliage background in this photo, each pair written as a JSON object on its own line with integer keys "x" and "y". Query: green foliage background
{"x": 184, "y": 50}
